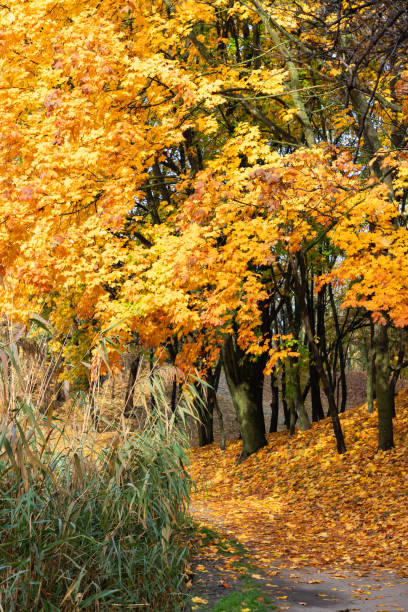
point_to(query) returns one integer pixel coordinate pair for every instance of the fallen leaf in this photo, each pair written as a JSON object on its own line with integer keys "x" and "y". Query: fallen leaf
{"x": 200, "y": 600}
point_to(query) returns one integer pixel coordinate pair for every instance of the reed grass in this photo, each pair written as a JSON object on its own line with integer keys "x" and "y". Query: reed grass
{"x": 88, "y": 527}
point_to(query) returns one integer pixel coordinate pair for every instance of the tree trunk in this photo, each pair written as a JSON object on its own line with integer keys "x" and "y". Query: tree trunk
{"x": 371, "y": 371}
{"x": 286, "y": 411}
{"x": 151, "y": 379}
{"x": 383, "y": 390}
{"x": 304, "y": 421}
{"x": 315, "y": 396}
{"x": 317, "y": 408}
{"x": 245, "y": 377}
{"x": 340, "y": 349}
{"x": 209, "y": 405}
{"x": 324, "y": 377}
{"x": 174, "y": 394}
{"x": 205, "y": 427}
{"x": 274, "y": 403}
{"x": 130, "y": 388}
{"x": 250, "y": 417}
{"x": 343, "y": 379}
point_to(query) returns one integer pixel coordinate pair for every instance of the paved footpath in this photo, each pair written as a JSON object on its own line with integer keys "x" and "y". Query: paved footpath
{"x": 313, "y": 589}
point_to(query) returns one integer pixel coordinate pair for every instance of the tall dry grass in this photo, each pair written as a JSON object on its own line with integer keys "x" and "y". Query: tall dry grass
{"x": 88, "y": 522}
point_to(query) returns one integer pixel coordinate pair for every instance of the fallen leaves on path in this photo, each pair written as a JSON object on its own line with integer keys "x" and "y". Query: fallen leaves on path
{"x": 300, "y": 501}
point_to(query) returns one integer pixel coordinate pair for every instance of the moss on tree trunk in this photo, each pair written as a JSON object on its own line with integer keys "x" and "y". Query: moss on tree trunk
{"x": 245, "y": 377}
{"x": 383, "y": 389}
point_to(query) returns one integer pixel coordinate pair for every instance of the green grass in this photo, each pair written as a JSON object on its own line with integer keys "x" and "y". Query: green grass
{"x": 225, "y": 545}
{"x": 248, "y": 594}
{"x": 250, "y": 598}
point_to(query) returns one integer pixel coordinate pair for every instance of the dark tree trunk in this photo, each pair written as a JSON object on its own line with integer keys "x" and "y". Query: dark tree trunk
{"x": 174, "y": 394}
{"x": 245, "y": 378}
{"x": 317, "y": 408}
{"x": 205, "y": 428}
{"x": 206, "y": 408}
{"x": 343, "y": 379}
{"x": 274, "y": 403}
{"x": 130, "y": 387}
{"x": 285, "y": 407}
{"x": 298, "y": 410}
{"x": 333, "y": 414}
{"x": 321, "y": 334}
{"x": 383, "y": 390}
{"x": 297, "y": 399}
{"x": 340, "y": 349}
{"x": 315, "y": 396}
{"x": 151, "y": 379}
{"x": 371, "y": 371}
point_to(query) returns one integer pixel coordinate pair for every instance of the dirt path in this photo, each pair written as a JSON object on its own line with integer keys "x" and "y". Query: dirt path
{"x": 312, "y": 589}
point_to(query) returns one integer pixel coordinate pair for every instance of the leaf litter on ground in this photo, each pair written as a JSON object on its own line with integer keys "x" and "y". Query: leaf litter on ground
{"x": 297, "y": 503}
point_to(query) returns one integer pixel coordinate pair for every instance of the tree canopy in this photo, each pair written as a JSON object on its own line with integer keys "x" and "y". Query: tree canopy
{"x": 221, "y": 180}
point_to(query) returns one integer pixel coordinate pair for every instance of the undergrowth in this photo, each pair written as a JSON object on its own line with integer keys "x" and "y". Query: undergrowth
{"x": 93, "y": 536}
{"x": 82, "y": 528}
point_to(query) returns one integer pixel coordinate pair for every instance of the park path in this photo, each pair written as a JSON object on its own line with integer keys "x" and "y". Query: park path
{"x": 307, "y": 588}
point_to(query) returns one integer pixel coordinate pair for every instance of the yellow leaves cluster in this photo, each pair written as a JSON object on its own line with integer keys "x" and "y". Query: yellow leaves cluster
{"x": 374, "y": 246}
{"x": 341, "y": 121}
{"x": 86, "y": 110}
{"x": 235, "y": 9}
{"x": 90, "y": 99}
{"x": 283, "y": 346}
{"x": 209, "y": 275}
{"x": 269, "y": 82}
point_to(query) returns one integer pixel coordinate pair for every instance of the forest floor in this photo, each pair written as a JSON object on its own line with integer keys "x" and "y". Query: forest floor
{"x": 322, "y": 531}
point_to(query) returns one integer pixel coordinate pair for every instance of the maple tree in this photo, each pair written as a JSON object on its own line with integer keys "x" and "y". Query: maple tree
{"x": 356, "y": 218}
{"x": 207, "y": 179}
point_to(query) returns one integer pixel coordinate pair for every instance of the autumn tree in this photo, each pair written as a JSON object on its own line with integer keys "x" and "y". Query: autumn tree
{"x": 214, "y": 179}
